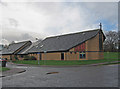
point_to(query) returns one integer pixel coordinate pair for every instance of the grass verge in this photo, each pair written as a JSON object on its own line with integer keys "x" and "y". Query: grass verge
{"x": 108, "y": 57}
{"x": 75, "y": 62}
{"x": 2, "y": 69}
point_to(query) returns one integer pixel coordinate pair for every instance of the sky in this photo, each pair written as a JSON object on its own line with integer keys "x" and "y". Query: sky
{"x": 28, "y": 20}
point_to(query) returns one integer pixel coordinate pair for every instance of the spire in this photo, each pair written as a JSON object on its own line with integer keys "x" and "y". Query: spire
{"x": 100, "y": 26}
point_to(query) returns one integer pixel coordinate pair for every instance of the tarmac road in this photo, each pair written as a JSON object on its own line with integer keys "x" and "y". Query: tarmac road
{"x": 82, "y": 76}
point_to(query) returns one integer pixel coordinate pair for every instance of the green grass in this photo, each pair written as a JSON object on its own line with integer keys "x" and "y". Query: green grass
{"x": 108, "y": 57}
{"x": 4, "y": 69}
{"x": 111, "y": 55}
{"x": 76, "y": 62}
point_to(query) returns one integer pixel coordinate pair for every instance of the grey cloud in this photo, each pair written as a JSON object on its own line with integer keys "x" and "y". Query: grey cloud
{"x": 13, "y": 22}
{"x": 3, "y": 3}
{"x": 8, "y": 36}
{"x": 26, "y": 36}
{"x": 13, "y": 37}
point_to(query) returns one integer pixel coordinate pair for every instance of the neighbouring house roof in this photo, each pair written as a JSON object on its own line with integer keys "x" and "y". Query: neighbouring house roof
{"x": 0, "y": 53}
{"x": 63, "y": 42}
{"x": 12, "y": 48}
{"x": 1, "y": 47}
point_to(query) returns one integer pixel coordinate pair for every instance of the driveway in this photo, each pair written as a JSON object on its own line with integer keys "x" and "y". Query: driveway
{"x": 79, "y": 76}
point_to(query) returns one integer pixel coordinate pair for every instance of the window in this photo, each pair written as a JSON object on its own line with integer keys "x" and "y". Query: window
{"x": 41, "y": 46}
{"x": 82, "y": 55}
{"x": 37, "y": 46}
{"x": 21, "y": 56}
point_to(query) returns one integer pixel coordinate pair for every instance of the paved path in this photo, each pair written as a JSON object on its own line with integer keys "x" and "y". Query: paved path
{"x": 80, "y": 76}
{"x": 13, "y": 70}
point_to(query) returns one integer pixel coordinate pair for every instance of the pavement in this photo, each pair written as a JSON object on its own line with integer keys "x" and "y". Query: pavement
{"x": 12, "y": 70}
{"x": 97, "y": 64}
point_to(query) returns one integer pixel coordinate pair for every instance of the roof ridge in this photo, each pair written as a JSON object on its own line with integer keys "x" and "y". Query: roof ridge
{"x": 71, "y": 33}
{"x": 21, "y": 42}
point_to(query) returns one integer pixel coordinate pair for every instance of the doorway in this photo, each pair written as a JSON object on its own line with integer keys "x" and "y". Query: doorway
{"x": 62, "y": 56}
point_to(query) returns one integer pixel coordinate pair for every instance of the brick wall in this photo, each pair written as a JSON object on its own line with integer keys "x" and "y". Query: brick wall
{"x": 47, "y": 56}
{"x": 51, "y": 56}
{"x": 92, "y": 46}
{"x": 6, "y": 56}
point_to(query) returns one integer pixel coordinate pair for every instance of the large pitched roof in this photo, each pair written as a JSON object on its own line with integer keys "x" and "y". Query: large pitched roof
{"x": 14, "y": 47}
{"x": 63, "y": 42}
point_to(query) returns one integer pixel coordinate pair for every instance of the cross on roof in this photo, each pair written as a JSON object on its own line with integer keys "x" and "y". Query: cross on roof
{"x": 100, "y": 25}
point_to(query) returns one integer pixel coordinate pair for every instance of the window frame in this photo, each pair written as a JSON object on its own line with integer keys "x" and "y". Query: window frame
{"x": 82, "y": 55}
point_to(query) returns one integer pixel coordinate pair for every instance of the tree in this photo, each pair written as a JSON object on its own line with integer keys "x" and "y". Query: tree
{"x": 111, "y": 41}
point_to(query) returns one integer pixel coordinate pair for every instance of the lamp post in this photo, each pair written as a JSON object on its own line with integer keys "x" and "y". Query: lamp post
{"x": 38, "y": 58}
{"x": 44, "y": 55}
{"x": 38, "y": 52}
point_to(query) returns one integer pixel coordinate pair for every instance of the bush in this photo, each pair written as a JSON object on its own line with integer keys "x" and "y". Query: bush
{"x": 26, "y": 58}
{"x": 33, "y": 58}
{"x": 6, "y": 59}
{"x": 16, "y": 58}
{"x": 29, "y": 58}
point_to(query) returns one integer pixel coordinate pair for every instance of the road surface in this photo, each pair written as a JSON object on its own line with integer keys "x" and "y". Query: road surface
{"x": 82, "y": 76}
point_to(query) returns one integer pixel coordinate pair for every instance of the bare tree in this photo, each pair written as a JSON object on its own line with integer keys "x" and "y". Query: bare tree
{"x": 111, "y": 42}
{"x": 12, "y": 42}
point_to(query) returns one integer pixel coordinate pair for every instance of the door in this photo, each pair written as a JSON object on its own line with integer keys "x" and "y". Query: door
{"x": 62, "y": 56}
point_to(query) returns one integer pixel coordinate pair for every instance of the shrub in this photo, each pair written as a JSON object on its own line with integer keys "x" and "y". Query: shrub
{"x": 33, "y": 58}
{"x": 29, "y": 58}
{"x": 16, "y": 58}
{"x": 6, "y": 59}
{"x": 26, "y": 58}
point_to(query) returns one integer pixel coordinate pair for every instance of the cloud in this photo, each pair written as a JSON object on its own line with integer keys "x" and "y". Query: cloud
{"x": 27, "y": 20}
{"x": 17, "y": 35}
{"x": 60, "y": 0}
